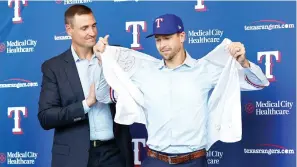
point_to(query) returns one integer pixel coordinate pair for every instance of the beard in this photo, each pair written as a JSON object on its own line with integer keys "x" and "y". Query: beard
{"x": 169, "y": 56}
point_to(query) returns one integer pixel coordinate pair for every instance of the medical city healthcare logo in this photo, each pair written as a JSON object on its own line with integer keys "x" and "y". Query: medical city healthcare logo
{"x": 18, "y": 158}
{"x": 266, "y": 108}
{"x": 205, "y": 36}
{"x": 268, "y": 25}
{"x": 17, "y": 83}
{"x": 18, "y": 46}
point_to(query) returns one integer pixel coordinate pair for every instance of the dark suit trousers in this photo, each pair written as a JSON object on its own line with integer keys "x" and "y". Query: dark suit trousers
{"x": 106, "y": 155}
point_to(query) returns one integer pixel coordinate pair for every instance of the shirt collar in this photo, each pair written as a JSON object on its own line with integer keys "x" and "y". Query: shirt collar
{"x": 76, "y": 57}
{"x": 189, "y": 62}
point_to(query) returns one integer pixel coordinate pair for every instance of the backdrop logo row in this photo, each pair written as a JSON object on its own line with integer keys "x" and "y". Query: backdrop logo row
{"x": 29, "y": 45}
{"x": 16, "y": 5}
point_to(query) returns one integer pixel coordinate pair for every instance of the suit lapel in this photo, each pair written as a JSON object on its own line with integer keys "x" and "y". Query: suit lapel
{"x": 72, "y": 75}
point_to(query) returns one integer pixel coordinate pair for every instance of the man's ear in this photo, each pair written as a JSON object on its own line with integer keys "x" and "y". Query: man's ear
{"x": 182, "y": 37}
{"x": 68, "y": 29}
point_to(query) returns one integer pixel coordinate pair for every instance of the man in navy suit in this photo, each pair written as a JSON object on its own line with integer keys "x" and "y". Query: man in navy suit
{"x": 85, "y": 133}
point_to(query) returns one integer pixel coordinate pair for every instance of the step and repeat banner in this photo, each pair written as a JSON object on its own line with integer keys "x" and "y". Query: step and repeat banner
{"x": 33, "y": 31}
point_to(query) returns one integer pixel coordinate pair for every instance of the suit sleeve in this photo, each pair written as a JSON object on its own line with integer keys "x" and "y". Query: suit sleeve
{"x": 51, "y": 114}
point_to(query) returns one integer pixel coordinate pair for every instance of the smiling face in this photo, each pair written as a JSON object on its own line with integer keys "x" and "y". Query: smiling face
{"x": 83, "y": 30}
{"x": 169, "y": 45}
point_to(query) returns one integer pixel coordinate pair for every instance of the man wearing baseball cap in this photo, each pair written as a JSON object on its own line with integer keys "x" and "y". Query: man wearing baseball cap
{"x": 175, "y": 93}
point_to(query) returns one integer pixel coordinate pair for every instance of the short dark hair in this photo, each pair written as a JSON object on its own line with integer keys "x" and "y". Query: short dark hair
{"x": 75, "y": 10}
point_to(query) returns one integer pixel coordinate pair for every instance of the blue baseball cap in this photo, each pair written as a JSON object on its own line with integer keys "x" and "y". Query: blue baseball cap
{"x": 167, "y": 24}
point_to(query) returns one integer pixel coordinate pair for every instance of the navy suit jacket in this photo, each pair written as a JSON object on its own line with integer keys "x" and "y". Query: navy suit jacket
{"x": 61, "y": 109}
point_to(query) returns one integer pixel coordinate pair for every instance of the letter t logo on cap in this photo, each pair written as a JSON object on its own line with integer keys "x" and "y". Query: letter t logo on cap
{"x": 158, "y": 20}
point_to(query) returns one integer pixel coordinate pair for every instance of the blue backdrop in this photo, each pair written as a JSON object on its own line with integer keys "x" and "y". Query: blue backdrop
{"x": 35, "y": 32}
